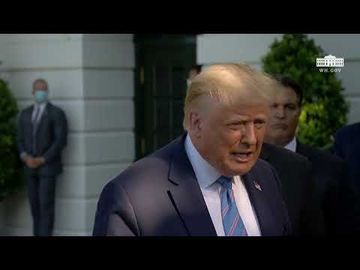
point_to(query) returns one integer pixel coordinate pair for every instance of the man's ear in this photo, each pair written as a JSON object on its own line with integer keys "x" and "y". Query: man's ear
{"x": 195, "y": 123}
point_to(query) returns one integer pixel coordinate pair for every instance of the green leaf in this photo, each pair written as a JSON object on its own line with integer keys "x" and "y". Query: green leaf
{"x": 11, "y": 178}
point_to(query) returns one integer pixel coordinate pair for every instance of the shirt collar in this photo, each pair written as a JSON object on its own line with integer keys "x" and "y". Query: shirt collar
{"x": 291, "y": 145}
{"x": 41, "y": 106}
{"x": 205, "y": 173}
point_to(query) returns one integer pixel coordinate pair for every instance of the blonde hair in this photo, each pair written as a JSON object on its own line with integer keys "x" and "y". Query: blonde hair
{"x": 231, "y": 84}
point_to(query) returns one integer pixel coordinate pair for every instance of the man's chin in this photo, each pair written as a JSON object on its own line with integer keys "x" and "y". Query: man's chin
{"x": 241, "y": 169}
{"x": 276, "y": 140}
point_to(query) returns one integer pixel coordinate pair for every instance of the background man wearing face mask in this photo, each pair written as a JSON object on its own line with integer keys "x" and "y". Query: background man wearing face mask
{"x": 41, "y": 137}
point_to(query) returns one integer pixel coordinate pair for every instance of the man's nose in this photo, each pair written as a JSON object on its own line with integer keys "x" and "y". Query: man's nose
{"x": 280, "y": 112}
{"x": 249, "y": 134}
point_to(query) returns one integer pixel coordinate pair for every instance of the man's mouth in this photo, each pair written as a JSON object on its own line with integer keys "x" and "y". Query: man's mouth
{"x": 280, "y": 126}
{"x": 243, "y": 156}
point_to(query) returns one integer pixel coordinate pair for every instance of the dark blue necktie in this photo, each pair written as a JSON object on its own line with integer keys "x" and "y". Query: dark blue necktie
{"x": 233, "y": 224}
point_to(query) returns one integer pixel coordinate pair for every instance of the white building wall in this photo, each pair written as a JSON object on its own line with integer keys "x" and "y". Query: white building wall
{"x": 250, "y": 48}
{"x": 109, "y": 112}
{"x": 91, "y": 78}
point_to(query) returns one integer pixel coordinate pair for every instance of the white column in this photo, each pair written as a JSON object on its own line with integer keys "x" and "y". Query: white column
{"x": 91, "y": 78}
{"x": 109, "y": 140}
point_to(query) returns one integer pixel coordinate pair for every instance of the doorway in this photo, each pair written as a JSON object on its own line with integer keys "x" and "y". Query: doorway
{"x": 162, "y": 66}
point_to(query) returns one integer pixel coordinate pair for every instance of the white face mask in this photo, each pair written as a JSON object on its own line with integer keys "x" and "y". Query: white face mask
{"x": 40, "y": 96}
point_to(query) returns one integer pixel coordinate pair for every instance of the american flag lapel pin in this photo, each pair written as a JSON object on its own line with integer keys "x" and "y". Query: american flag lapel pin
{"x": 257, "y": 186}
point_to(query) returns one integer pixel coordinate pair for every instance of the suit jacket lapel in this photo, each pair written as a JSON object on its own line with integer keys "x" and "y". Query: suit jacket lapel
{"x": 301, "y": 149}
{"x": 187, "y": 196}
{"x": 260, "y": 203}
{"x": 29, "y": 120}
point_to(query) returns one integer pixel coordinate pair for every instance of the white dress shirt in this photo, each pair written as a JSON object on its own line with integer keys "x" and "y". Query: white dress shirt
{"x": 291, "y": 145}
{"x": 42, "y": 107}
{"x": 207, "y": 177}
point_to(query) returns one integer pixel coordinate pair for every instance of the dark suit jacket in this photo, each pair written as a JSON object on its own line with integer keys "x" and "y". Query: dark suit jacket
{"x": 51, "y": 137}
{"x": 347, "y": 146}
{"x": 159, "y": 195}
{"x": 334, "y": 192}
{"x": 294, "y": 173}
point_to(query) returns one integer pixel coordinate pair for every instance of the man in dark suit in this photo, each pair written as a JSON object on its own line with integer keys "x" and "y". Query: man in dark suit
{"x": 347, "y": 146}
{"x": 294, "y": 172}
{"x": 41, "y": 137}
{"x": 334, "y": 192}
{"x": 209, "y": 181}
{"x": 338, "y": 196}
{"x": 296, "y": 180}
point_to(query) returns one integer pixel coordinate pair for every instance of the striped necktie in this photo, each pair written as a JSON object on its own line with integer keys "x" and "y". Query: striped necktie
{"x": 233, "y": 224}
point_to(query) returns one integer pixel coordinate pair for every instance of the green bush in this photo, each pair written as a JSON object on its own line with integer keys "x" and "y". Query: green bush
{"x": 11, "y": 178}
{"x": 324, "y": 107}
